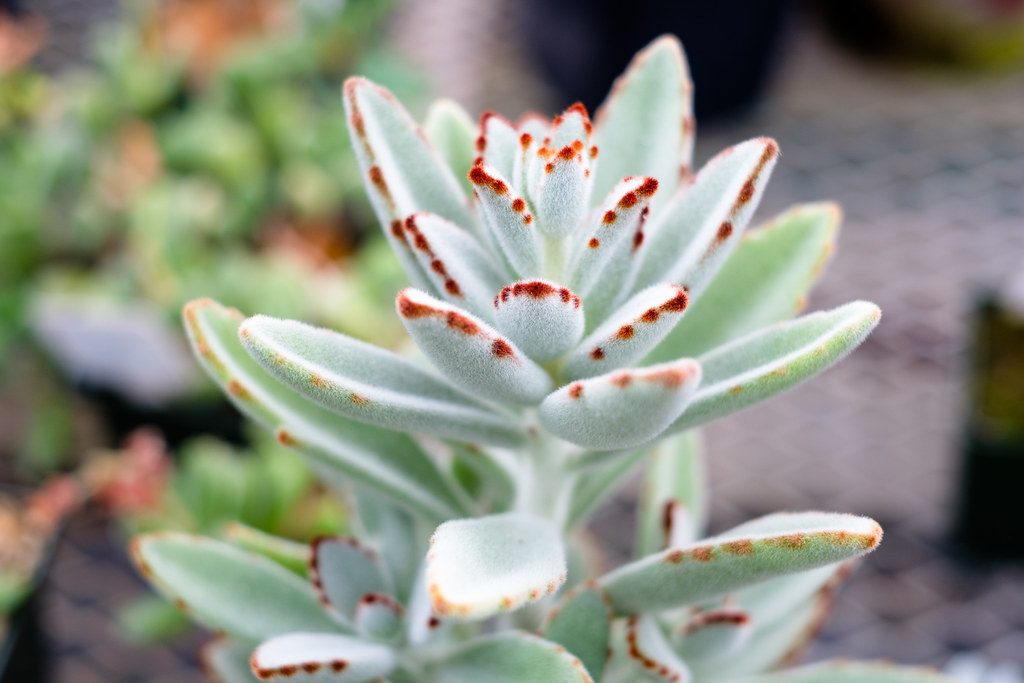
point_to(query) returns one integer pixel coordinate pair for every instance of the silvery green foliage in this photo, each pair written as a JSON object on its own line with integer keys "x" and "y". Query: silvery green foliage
{"x": 591, "y": 304}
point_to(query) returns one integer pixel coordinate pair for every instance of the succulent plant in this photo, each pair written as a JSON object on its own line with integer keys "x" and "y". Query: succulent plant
{"x": 595, "y": 303}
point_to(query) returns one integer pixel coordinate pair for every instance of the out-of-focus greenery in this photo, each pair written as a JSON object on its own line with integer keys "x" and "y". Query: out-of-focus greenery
{"x": 203, "y": 153}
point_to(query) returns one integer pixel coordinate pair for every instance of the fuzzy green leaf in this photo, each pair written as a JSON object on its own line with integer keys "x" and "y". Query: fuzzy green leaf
{"x": 673, "y": 504}
{"x": 581, "y": 622}
{"x": 479, "y": 567}
{"x": 311, "y": 657}
{"x": 542, "y": 317}
{"x": 689, "y": 238}
{"x": 764, "y": 281}
{"x": 563, "y": 194}
{"x": 621, "y": 409}
{"x": 470, "y": 352}
{"x": 641, "y": 652}
{"x": 777, "y": 358}
{"x": 629, "y": 333}
{"x": 510, "y": 657}
{"x": 768, "y": 547}
{"x": 508, "y": 220}
{"x": 228, "y": 661}
{"x": 453, "y": 134}
{"x": 711, "y": 634}
{"x": 645, "y": 127}
{"x": 500, "y": 142}
{"x": 378, "y": 617}
{"x": 291, "y": 555}
{"x": 228, "y": 589}
{"x": 369, "y": 384}
{"x": 343, "y": 571}
{"x": 389, "y": 462}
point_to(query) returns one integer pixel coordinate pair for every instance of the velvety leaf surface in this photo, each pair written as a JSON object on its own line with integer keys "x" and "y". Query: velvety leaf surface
{"x": 645, "y": 127}
{"x": 713, "y": 634}
{"x": 542, "y": 317}
{"x": 470, "y": 352}
{"x": 510, "y": 657}
{"x": 769, "y": 547}
{"x": 621, "y": 409}
{"x": 690, "y": 237}
{"x": 378, "y": 617}
{"x": 479, "y": 567}
{"x": 404, "y": 174}
{"x": 509, "y": 221}
{"x": 563, "y": 195}
{"x": 643, "y": 653}
{"x": 369, "y": 384}
{"x": 343, "y": 571}
{"x": 228, "y": 589}
{"x": 599, "y": 481}
{"x": 390, "y": 463}
{"x": 453, "y": 134}
{"x": 629, "y": 333}
{"x": 768, "y": 362}
{"x": 673, "y": 504}
{"x": 581, "y": 622}
{"x": 498, "y": 143}
{"x": 291, "y": 555}
{"x": 310, "y": 657}
{"x": 764, "y": 281}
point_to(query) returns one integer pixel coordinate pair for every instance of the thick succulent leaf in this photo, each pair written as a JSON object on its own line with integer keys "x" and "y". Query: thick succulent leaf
{"x": 378, "y": 617}
{"x": 852, "y": 672}
{"x": 630, "y": 332}
{"x": 228, "y": 589}
{"x": 713, "y": 633}
{"x": 461, "y": 270}
{"x": 385, "y": 136}
{"x": 479, "y": 567}
{"x": 489, "y": 474}
{"x": 643, "y": 653}
{"x": 498, "y": 143}
{"x": 563, "y": 194}
{"x": 508, "y": 220}
{"x": 691, "y": 236}
{"x": 621, "y": 409}
{"x": 226, "y": 660}
{"x": 604, "y": 254}
{"x": 291, "y": 555}
{"x": 768, "y": 547}
{"x": 369, "y": 384}
{"x": 405, "y": 174}
{"x": 395, "y": 536}
{"x": 510, "y": 657}
{"x": 526, "y": 155}
{"x": 673, "y": 504}
{"x": 645, "y": 127}
{"x": 420, "y": 622}
{"x": 777, "y": 358}
{"x": 764, "y": 281}
{"x": 453, "y": 134}
{"x": 389, "y": 462}
{"x": 542, "y": 317}
{"x": 310, "y": 657}
{"x": 581, "y": 622}
{"x": 470, "y": 352}
{"x": 343, "y": 571}
{"x": 571, "y": 125}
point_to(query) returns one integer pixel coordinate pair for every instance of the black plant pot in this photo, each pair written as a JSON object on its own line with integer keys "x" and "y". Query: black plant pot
{"x": 582, "y": 45}
{"x": 992, "y": 475}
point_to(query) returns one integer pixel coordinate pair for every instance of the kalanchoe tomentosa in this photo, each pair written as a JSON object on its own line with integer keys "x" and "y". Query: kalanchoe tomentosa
{"x": 595, "y": 302}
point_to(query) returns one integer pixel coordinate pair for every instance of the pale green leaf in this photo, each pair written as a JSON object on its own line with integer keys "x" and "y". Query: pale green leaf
{"x": 777, "y": 358}
{"x": 479, "y": 567}
{"x": 509, "y": 222}
{"x": 581, "y": 622}
{"x": 290, "y": 554}
{"x": 227, "y": 661}
{"x": 673, "y": 506}
{"x": 228, "y": 589}
{"x": 510, "y": 657}
{"x": 764, "y": 281}
{"x": 312, "y": 657}
{"x": 500, "y": 142}
{"x": 453, "y": 134}
{"x": 343, "y": 571}
{"x": 543, "y": 318}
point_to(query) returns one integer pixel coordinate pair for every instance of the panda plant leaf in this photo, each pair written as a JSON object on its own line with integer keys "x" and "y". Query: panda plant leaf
{"x": 552, "y": 312}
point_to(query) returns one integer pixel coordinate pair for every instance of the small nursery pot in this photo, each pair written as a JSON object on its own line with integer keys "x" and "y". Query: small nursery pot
{"x": 993, "y": 448}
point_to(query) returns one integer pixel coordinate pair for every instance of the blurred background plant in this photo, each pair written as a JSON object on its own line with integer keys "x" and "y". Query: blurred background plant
{"x": 202, "y": 154}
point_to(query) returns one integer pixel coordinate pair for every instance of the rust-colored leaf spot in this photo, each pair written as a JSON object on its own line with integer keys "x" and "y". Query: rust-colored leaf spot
{"x": 285, "y": 438}
{"x": 701, "y": 554}
{"x": 358, "y": 399}
{"x": 377, "y": 178}
{"x": 724, "y": 231}
{"x": 519, "y": 205}
{"x": 594, "y": 243}
{"x": 437, "y": 265}
{"x": 528, "y": 219}
{"x": 675, "y": 557}
{"x": 318, "y": 381}
{"x": 533, "y": 288}
{"x": 396, "y": 230}
{"x": 459, "y": 322}
{"x": 481, "y": 143}
{"x": 593, "y": 152}
{"x": 235, "y": 388}
{"x": 311, "y": 667}
{"x": 576, "y": 390}
{"x": 791, "y": 541}
{"x": 549, "y": 167}
{"x": 408, "y": 308}
{"x": 525, "y": 140}
{"x": 736, "y": 389}
{"x": 625, "y": 332}
{"x": 609, "y": 217}
{"x": 433, "y": 622}
{"x": 678, "y": 303}
{"x": 741, "y": 547}
{"x": 452, "y": 287}
{"x": 747, "y": 192}
{"x": 670, "y": 378}
{"x": 638, "y": 239}
{"x": 622, "y": 380}
{"x": 629, "y": 199}
{"x": 338, "y": 665}
{"x": 502, "y": 349}
{"x": 479, "y": 176}
{"x": 597, "y": 353}
{"x": 648, "y": 188}
{"x": 650, "y": 315}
